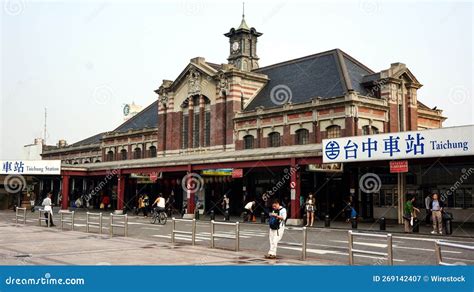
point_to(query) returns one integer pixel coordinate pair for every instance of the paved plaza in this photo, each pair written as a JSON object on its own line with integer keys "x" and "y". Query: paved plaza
{"x": 149, "y": 244}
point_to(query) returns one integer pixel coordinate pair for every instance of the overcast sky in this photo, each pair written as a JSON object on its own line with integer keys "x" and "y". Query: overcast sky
{"x": 83, "y": 60}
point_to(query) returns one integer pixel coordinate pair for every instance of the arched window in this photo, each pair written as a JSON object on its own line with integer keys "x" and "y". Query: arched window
{"x": 110, "y": 156}
{"x": 248, "y": 142}
{"x": 137, "y": 153}
{"x": 302, "y": 137}
{"x": 97, "y": 161}
{"x": 369, "y": 130}
{"x": 201, "y": 122}
{"x": 333, "y": 132}
{"x": 123, "y": 154}
{"x": 274, "y": 139}
{"x": 86, "y": 161}
{"x": 152, "y": 151}
{"x": 75, "y": 162}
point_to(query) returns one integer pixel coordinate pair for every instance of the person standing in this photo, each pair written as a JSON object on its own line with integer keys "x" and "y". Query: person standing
{"x": 410, "y": 213}
{"x": 48, "y": 208}
{"x": 249, "y": 207}
{"x": 310, "y": 209}
{"x": 277, "y": 228}
{"x": 226, "y": 203}
{"x": 436, "y": 208}
{"x": 427, "y": 209}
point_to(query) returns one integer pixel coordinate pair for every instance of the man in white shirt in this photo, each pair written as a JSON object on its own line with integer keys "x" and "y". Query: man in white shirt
{"x": 249, "y": 208}
{"x": 160, "y": 203}
{"x": 48, "y": 207}
{"x": 277, "y": 227}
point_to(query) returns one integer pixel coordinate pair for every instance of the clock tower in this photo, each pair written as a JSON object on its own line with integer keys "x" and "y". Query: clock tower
{"x": 243, "y": 46}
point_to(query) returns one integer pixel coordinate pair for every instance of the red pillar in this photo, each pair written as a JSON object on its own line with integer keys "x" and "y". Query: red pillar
{"x": 295, "y": 185}
{"x": 120, "y": 190}
{"x": 65, "y": 192}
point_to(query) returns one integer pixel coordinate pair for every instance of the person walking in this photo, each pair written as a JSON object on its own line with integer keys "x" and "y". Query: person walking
{"x": 277, "y": 228}
{"x": 436, "y": 208}
{"x": 310, "y": 209}
{"x": 427, "y": 209}
{"x": 409, "y": 214}
{"x": 48, "y": 208}
{"x": 146, "y": 202}
{"x": 32, "y": 201}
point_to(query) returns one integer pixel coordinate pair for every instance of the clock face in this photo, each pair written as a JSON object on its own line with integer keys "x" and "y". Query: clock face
{"x": 235, "y": 46}
{"x": 126, "y": 110}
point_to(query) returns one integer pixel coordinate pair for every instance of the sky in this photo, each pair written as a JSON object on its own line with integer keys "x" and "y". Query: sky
{"x": 83, "y": 60}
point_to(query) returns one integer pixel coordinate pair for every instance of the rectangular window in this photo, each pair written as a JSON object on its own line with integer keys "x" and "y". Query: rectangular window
{"x": 184, "y": 143}
{"x": 196, "y": 129}
{"x": 207, "y": 129}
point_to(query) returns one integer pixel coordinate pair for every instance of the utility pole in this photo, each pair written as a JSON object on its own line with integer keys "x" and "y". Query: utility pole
{"x": 44, "y": 130}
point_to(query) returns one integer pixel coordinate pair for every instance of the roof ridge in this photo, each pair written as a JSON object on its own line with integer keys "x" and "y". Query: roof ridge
{"x": 357, "y": 62}
{"x": 102, "y": 133}
{"x": 296, "y": 60}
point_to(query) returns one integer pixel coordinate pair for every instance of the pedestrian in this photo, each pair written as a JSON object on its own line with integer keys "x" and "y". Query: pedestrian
{"x": 140, "y": 205}
{"x": 277, "y": 227}
{"x": 249, "y": 208}
{"x": 409, "y": 214}
{"x": 226, "y": 203}
{"x": 427, "y": 209}
{"x": 146, "y": 202}
{"x": 310, "y": 209}
{"x": 48, "y": 208}
{"x": 32, "y": 196}
{"x": 106, "y": 202}
{"x": 436, "y": 208}
{"x": 348, "y": 208}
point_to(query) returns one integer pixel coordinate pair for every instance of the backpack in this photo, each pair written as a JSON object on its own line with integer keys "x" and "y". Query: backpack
{"x": 274, "y": 222}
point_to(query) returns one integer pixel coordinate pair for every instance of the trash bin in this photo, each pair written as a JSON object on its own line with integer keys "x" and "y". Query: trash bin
{"x": 212, "y": 215}
{"x": 416, "y": 225}
{"x": 354, "y": 222}
{"x": 382, "y": 224}
{"x": 447, "y": 220}
{"x": 262, "y": 218}
{"x": 226, "y": 216}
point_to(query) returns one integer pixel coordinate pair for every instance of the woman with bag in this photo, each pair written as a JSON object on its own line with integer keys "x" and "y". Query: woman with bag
{"x": 310, "y": 209}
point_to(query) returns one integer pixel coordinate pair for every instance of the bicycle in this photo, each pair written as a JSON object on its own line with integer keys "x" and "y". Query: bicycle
{"x": 159, "y": 216}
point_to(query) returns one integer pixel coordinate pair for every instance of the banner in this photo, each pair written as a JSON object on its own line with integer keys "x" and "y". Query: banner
{"x": 444, "y": 142}
{"x": 26, "y": 167}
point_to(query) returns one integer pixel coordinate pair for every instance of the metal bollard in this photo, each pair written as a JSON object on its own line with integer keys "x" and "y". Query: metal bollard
{"x": 262, "y": 218}
{"x": 212, "y": 233}
{"x": 237, "y": 236}
{"x": 382, "y": 224}
{"x": 354, "y": 222}
{"x": 212, "y": 215}
{"x": 305, "y": 243}
{"x": 327, "y": 221}
{"x": 226, "y": 216}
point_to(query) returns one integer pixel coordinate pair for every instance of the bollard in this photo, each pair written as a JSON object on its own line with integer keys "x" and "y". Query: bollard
{"x": 416, "y": 225}
{"x": 226, "y": 216}
{"x": 212, "y": 214}
{"x": 448, "y": 228}
{"x": 354, "y": 222}
{"x": 327, "y": 221}
{"x": 262, "y": 218}
{"x": 382, "y": 224}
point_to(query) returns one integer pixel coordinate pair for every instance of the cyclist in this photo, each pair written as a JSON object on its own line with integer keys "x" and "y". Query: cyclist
{"x": 160, "y": 203}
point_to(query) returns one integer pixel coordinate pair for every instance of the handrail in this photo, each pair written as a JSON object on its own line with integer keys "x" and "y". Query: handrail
{"x": 439, "y": 244}
{"x": 304, "y": 242}
{"x": 123, "y": 224}
{"x": 174, "y": 231}
{"x": 21, "y": 216}
{"x": 236, "y": 236}
{"x": 93, "y": 224}
{"x": 388, "y": 255}
{"x": 69, "y": 220}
